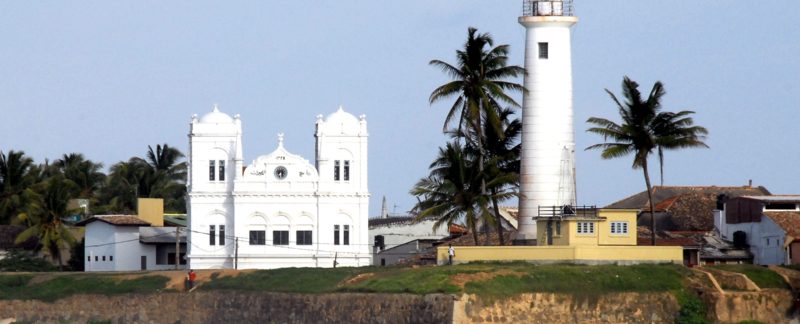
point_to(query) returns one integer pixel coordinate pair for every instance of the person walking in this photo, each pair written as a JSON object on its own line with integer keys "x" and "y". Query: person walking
{"x": 451, "y": 253}
{"x": 192, "y": 278}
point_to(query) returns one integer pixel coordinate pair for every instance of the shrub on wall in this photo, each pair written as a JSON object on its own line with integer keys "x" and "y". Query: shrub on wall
{"x": 17, "y": 260}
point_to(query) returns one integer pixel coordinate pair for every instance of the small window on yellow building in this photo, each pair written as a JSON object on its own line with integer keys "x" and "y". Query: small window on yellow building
{"x": 585, "y": 228}
{"x": 619, "y": 228}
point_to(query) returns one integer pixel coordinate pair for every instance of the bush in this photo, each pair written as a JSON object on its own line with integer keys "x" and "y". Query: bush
{"x": 18, "y": 260}
{"x": 75, "y": 263}
{"x": 693, "y": 310}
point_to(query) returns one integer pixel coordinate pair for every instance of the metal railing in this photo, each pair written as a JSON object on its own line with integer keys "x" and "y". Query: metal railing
{"x": 568, "y": 210}
{"x": 547, "y": 8}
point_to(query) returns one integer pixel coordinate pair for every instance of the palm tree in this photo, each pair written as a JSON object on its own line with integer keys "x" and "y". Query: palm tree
{"x": 87, "y": 175}
{"x": 123, "y": 186}
{"x": 479, "y": 82}
{"x": 479, "y": 85}
{"x": 15, "y": 176}
{"x": 159, "y": 175}
{"x": 675, "y": 131}
{"x": 168, "y": 176}
{"x": 503, "y": 166}
{"x": 451, "y": 191}
{"x": 645, "y": 128}
{"x": 47, "y": 205}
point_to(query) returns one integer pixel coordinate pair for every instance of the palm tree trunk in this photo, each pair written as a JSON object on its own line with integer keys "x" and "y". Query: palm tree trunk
{"x": 652, "y": 205}
{"x": 474, "y": 231}
{"x": 498, "y": 217}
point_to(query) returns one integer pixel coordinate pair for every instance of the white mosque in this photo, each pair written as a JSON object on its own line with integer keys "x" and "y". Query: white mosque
{"x": 280, "y": 210}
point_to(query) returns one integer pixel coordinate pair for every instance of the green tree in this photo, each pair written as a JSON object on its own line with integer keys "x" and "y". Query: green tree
{"x": 15, "y": 177}
{"x": 480, "y": 85}
{"x": 46, "y": 207}
{"x": 159, "y": 175}
{"x": 122, "y": 188}
{"x": 87, "y": 175}
{"x": 644, "y": 128}
{"x": 502, "y": 169}
{"x": 451, "y": 191}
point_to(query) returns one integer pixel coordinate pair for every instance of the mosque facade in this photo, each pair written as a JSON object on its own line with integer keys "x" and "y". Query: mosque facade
{"x": 280, "y": 210}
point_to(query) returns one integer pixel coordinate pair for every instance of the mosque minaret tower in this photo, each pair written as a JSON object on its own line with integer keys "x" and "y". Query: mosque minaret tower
{"x": 547, "y": 176}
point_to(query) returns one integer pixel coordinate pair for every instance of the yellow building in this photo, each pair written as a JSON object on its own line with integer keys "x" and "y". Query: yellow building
{"x": 576, "y": 235}
{"x": 588, "y": 227}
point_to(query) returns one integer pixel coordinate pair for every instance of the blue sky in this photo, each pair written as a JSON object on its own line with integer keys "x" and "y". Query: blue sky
{"x": 109, "y": 78}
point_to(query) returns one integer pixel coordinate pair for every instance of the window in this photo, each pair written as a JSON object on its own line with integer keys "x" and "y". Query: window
{"x": 558, "y": 228}
{"x": 221, "y": 170}
{"x": 303, "y": 238}
{"x": 346, "y": 170}
{"x": 171, "y": 258}
{"x": 780, "y": 206}
{"x": 280, "y": 237}
{"x": 585, "y": 228}
{"x": 336, "y": 170}
{"x": 104, "y": 257}
{"x": 96, "y": 258}
{"x": 619, "y": 228}
{"x": 258, "y": 237}
{"x": 222, "y": 235}
{"x": 335, "y": 234}
{"x": 89, "y": 259}
{"x": 211, "y": 170}
{"x": 110, "y": 258}
{"x": 543, "y": 51}
{"x": 346, "y": 238}
{"x": 212, "y": 235}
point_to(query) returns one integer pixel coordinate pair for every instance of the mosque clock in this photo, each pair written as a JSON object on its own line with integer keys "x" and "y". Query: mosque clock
{"x": 281, "y": 172}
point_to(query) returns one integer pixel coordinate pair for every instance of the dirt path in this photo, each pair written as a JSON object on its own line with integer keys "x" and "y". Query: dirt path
{"x": 462, "y": 279}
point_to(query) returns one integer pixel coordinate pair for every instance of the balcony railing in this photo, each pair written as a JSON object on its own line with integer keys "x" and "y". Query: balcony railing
{"x": 547, "y": 8}
{"x": 568, "y": 211}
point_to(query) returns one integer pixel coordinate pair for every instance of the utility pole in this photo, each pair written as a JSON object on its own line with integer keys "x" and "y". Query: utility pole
{"x": 177, "y": 247}
{"x": 236, "y": 253}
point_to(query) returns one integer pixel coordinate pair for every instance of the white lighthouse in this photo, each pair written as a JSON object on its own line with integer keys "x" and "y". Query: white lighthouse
{"x": 547, "y": 176}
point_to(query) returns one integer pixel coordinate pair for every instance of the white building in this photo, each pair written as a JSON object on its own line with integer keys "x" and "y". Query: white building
{"x": 768, "y": 225}
{"x": 389, "y": 232}
{"x": 280, "y": 210}
{"x": 129, "y": 243}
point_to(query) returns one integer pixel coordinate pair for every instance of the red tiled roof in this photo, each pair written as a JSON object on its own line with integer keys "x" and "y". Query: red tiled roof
{"x": 457, "y": 229}
{"x": 494, "y": 240}
{"x": 665, "y": 204}
{"x": 660, "y": 193}
{"x": 117, "y": 220}
{"x": 788, "y": 221}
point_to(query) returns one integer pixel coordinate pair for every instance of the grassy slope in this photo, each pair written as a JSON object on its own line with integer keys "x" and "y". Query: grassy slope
{"x": 14, "y": 286}
{"x": 495, "y": 279}
{"x": 486, "y": 279}
{"x": 761, "y": 276}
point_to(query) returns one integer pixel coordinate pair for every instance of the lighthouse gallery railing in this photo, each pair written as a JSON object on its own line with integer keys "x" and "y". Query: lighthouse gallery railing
{"x": 547, "y": 8}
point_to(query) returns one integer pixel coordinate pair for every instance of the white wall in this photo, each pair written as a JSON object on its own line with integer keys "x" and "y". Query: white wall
{"x": 259, "y": 200}
{"x": 397, "y": 234}
{"x": 99, "y": 241}
{"x": 765, "y": 239}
